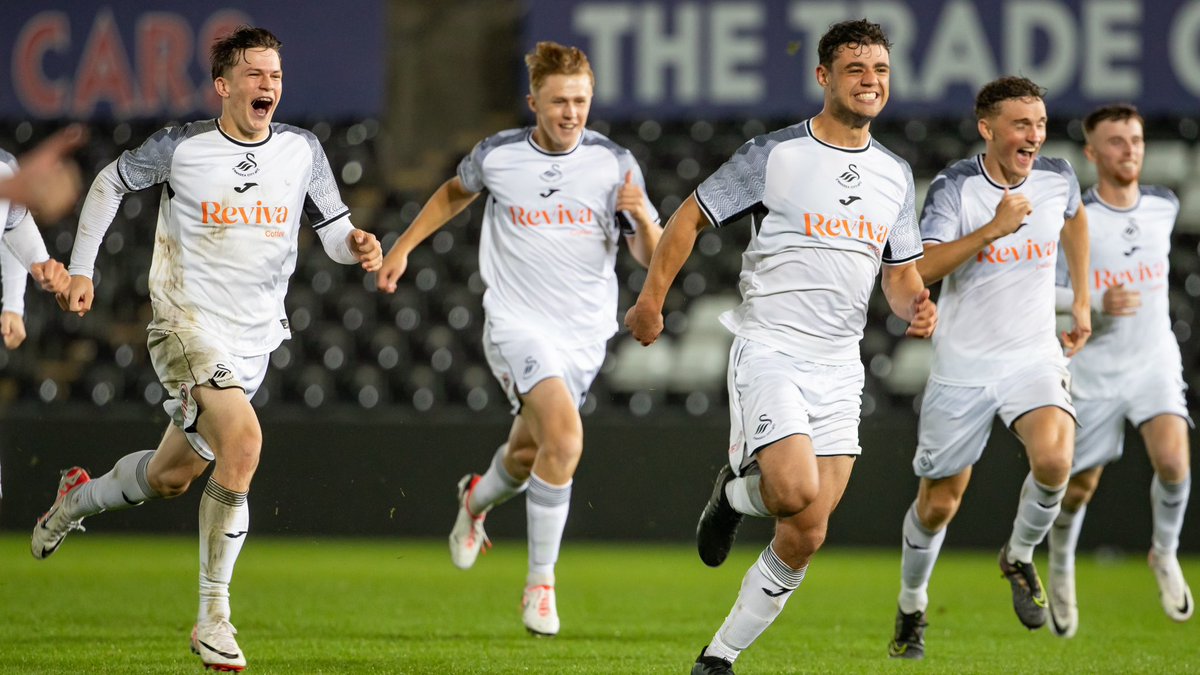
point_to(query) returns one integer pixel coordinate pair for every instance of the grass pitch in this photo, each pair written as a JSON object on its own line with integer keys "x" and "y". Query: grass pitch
{"x": 119, "y": 604}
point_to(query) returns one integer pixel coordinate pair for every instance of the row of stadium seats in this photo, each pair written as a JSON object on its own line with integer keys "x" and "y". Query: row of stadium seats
{"x": 420, "y": 349}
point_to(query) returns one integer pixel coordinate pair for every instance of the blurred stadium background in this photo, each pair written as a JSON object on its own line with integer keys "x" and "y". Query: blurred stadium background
{"x": 380, "y": 402}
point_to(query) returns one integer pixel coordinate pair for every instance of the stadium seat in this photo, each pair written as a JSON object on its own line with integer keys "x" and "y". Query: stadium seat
{"x": 637, "y": 368}
{"x": 911, "y": 362}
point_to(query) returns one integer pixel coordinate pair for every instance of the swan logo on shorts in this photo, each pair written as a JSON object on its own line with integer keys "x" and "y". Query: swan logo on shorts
{"x": 531, "y": 365}
{"x": 765, "y": 425}
{"x": 925, "y": 461}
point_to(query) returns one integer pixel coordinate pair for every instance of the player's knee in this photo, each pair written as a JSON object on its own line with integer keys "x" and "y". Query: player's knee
{"x": 1173, "y": 469}
{"x": 938, "y": 511}
{"x": 797, "y": 546}
{"x": 1051, "y": 468}
{"x": 170, "y": 483}
{"x": 564, "y": 447}
{"x": 791, "y": 497}
{"x": 1077, "y": 495}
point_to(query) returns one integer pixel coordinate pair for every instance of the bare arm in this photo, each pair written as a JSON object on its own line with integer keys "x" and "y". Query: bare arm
{"x": 448, "y": 201}
{"x": 906, "y": 294}
{"x": 644, "y": 319}
{"x": 1075, "y": 247}
{"x": 631, "y": 201}
{"x": 942, "y": 259}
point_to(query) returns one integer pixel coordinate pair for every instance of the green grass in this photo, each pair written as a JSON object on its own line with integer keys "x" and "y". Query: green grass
{"x": 122, "y": 604}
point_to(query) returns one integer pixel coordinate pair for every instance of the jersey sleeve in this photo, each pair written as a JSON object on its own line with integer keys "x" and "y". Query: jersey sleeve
{"x": 150, "y": 163}
{"x": 323, "y": 201}
{"x": 627, "y": 163}
{"x": 470, "y": 169}
{"x": 11, "y": 213}
{"x": 941, "y": 214}
{"x": 1073, "y": 197}
{"x": 904, "y": 240}
{"x": 737, "y": 186}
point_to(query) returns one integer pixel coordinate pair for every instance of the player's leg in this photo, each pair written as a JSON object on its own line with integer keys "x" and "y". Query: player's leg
{"x": 228, "y": 426}
{"x": 766, "y": 406}
{"x": 147, "y": 474}
{"x": 1166, "y": 439}
{"x": 779, "y": 569}
{"x": 1098, "y": 441}
{"x": 506, "y": 476}
{"x": 1062, "y": 541}
{"x": 953, "y": 429}
{"x": 553, "y": 420}
{"x": 1048, "y": 433}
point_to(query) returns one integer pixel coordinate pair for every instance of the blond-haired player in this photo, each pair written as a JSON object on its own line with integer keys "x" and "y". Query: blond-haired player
{"x": 560, "y": 198}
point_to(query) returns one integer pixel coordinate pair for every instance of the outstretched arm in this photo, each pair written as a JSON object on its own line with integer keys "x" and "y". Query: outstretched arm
{"x": 906, "y": 294}
{"x": 645, "y": 319}
{"x": 1075, "y": 247}
{"x": 448, "y": 201}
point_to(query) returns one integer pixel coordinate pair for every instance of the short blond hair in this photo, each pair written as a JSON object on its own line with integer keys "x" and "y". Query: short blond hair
{"x": 550, "y": 58}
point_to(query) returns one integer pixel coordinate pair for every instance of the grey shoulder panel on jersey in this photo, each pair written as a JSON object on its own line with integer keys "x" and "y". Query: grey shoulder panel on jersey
{"x": 150, "y": 163}
{"x": 1063, "y": 168}
{"x": 737, "y": 186}
{"x": 470, "y": 169}
{"x": 16, "y": 212}
{"x": 323, "y": 202}
{"x": 899, "y": 160}
{"x": 945, "y": 190}
{"x": 1159, "y": 191}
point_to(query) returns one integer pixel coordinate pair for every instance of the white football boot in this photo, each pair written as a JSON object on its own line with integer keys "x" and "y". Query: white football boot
{"x": 539, "y": 611}
{"x": 213, "y": 642}
{"x": 467, "y": 538}
{"x": 1173, "y": 590}
{"x": 54, "y": 526}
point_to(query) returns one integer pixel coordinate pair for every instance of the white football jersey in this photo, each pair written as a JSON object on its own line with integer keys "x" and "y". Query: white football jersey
{"x": 1129, "y": 247}
{"x": 824, "y": 218}
{"x": 547, "y": 253}
{"x": 10, "y": 213}
{"x": 228, "y": 226}
{"x": 996, "y": 311}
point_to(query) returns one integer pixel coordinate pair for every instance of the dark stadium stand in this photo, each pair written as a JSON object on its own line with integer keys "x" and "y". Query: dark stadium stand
{"x": 420, "y": 348}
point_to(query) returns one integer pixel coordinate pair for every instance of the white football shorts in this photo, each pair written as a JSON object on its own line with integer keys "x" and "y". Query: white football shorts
{"x": 1146, "y": 393}
{"x": 956, "y": 421}
{"x": 186, "y": 359}
{"x": 524, "y": 359}
{"x": 773, "y": 395}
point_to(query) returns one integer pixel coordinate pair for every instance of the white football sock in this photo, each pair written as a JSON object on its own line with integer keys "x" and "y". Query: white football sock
{"x": 546, "y": 509}
{"x": 918, "y": 554}
{"x": 1064, "y": 539}
{"x": 1168, "y": 501}
{"x": 224, "y": 522}
{"x": 495, "y": 487}
{"x": 766, "y": 588}
{"x": 124, "y": 486}
{"x": 1038, "y": 507}
{"x": 745, "y": 496}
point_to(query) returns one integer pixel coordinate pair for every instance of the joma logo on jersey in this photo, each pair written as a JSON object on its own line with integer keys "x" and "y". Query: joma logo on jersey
{"x": 217, "y": 214}
{"x": 817, "y": 225}
{"x": 559, "y": 215}
{"x": 1030, "y": 250}
{"x": 1102, "y": 279}
{"x": 246, "y": 167}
